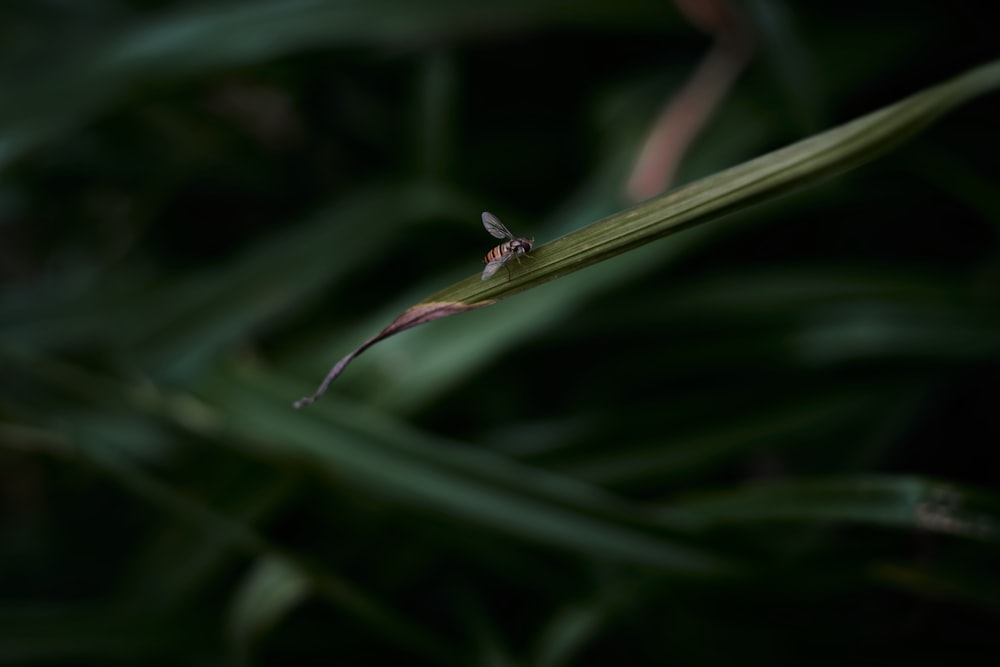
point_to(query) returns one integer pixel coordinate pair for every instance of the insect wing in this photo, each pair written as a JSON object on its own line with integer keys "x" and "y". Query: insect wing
{"x": 493, "y": 267}
{"x": 495, "y": 227}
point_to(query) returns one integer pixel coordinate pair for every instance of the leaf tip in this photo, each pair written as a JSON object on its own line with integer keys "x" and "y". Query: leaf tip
{"x": 413, "y": 316}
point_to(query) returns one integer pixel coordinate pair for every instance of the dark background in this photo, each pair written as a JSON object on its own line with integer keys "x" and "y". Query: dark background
{"x": 772, "y": 439}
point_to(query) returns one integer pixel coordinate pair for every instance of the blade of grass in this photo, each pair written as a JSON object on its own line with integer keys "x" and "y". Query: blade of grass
{"x": 757, "y": 180}
{"x": 900, "y": 501}
{"x": 677, "y": 456}
{"x": 244, "y": 537}
{"x": 539, "y": 509}
{"x": 206, "y": 37}
{"x": 175, "y": 326}
{"x": 271, "y": 589}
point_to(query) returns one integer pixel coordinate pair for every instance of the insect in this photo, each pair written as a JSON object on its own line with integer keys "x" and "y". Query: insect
{"x": 506, "y": 251}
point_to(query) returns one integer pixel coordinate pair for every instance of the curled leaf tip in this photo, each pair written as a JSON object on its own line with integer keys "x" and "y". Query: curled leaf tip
{"x": 413, "y": 316}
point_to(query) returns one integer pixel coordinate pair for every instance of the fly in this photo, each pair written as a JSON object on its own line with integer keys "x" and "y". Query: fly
{"x": 506, "y": 251}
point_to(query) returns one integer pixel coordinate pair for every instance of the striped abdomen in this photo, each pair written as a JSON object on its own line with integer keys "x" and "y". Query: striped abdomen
{"x": 507, "y": 249}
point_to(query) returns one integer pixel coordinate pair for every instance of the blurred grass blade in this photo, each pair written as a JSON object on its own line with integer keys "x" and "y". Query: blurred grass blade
{"x": 271, "y": 589}
{"x": 241, "y": 536}
{"x": 903, "y": 502}
{"x": 762, "y": 178}
{"x": 175, "y": 326}
{"x": 205, "y": 37}
{"x": 697, "y": 100}
{"x": 396, "y": 473}
{"x": 681, "y": 454}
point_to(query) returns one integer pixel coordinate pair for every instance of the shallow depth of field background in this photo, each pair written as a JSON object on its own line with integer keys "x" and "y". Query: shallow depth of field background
{"x": 772, "y": 439}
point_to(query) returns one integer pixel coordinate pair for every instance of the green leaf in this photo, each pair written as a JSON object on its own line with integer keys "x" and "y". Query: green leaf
{"x": 760, "y": 179}
{"x": 210, "y": 36}
{"x": 237, "y": 534}
{"x": 901, "y": 502}
{"x": 537, "y": 508}
{"x": 271, "y": 589}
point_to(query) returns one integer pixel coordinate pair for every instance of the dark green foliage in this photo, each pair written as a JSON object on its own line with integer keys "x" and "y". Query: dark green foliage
{"x": 771, "y": 439}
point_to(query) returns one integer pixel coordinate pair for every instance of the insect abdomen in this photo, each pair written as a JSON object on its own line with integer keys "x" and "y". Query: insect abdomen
{"x": 507, "y": 248}
{"x": 497, "y": 253}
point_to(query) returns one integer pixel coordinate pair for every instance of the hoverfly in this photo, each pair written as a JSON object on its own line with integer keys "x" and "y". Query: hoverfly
{"x": 504, "y": 252}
